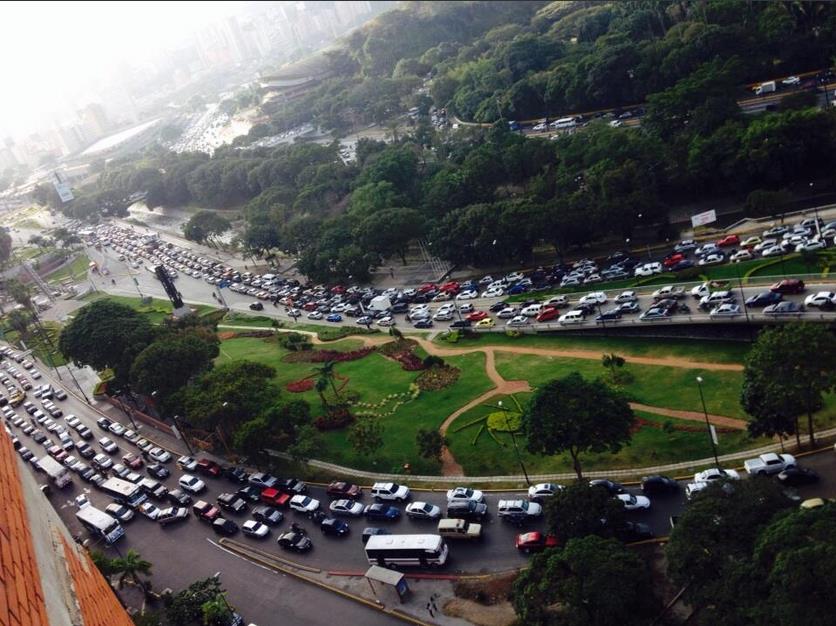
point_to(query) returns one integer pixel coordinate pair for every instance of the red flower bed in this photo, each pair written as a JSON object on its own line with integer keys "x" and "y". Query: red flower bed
{"x": 409, "y": 361}
{"x": 300, "y": 386}
{"x": 334, "y": 420}
{"x": 321, "y": 356}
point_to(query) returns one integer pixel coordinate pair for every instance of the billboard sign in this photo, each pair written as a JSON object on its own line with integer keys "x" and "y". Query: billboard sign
{"x": 701, "y": 219}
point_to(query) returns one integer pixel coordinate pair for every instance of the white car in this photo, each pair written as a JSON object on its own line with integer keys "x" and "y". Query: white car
{"x": 648, "y": 269}
{"x": 465, "y": 494}
{"x": 470, "y": 294}
{"x": 821, "y": 299}
{"x": 810, "y": 246}
{"x": 634, "y": 503}
{"x": 791, "y": 80}
{"x": 423, "y": 510}
{"x": 466, "y": 308}
{"x": 518, "y": 508}
{"x": 712, "y": 259}
{"x": 388, "y": 321}
{"x": 740, "y": 255}
{"x": 715, "y": 473}
{"x": 346, "y": 507}
{"x": 543, "y": 490}
{"x": 116, "y": 428}
{"x": 149, "y": 510}
{"x": 390, "y": 491}
{"x": 775, "y": 250}
{"x": 255, "y": 529}
{"x": 531, "y": 310}
{"x": 443, "y": 316}
{"x": 725, "y": 310}
{"x": 108, "y": 445}
{"x": 595, "y": 297}
{"x": 519, "y": 320}
{"x": 187, "y": 463}
{"x": 514, "y": 277}
{"x": 556, "y": 301}
{"x": 750, "y": 241}
{"x": 707, "y": 248}
{"x": 119, "y": 511}
{"x": 192, "y": 484}
{"x": 626, "y": 296}
{"x": 538, "y": 128}
{"x": 160, "y": 455}
{"x": 507, "y": 313}
{"x": 304, "y": 504}
{"x": 315, "y": 315}
{"x": 764, "y": 244}
{"x": 493, "y": 293}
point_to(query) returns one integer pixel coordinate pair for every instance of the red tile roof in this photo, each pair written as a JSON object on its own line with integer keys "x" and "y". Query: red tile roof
{"x": 21, "y": 594}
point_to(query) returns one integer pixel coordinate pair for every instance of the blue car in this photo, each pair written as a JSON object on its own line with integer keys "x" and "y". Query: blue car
{"x": 334, "y": 527}
{"x": 684, "y": 264}
{"x": 517, "y": 289}
{"x": 385, "y": 512}
{"x": 334, "y": 317}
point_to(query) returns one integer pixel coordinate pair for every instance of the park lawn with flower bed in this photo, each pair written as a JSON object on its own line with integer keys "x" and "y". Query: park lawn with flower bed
{"x": 651, "y": 445}
{"x": 427, "y": 411}
{"x": 668, "y": 387}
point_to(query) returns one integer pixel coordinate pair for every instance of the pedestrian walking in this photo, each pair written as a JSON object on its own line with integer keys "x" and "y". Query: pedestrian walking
{"x": 392, "y": 272}
{"x": 430, "y": 609}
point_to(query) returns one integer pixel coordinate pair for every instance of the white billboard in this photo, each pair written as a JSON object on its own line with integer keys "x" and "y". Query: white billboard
{"x": 701, "y": 219}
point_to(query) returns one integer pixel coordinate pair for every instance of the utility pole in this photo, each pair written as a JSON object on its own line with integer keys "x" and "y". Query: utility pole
{"x": 707, "y": 423}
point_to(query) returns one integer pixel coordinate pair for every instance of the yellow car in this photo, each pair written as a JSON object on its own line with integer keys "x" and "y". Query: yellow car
{"x": 485, "y": 323}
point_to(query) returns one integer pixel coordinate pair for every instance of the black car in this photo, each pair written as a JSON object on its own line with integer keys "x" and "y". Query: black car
{"x": 179, "y": 497}
{"x": 635, "y": 531}
{"x": 158, "y": 470}
{"x": 659, "y": 485}
{"x": 467, "y": 510}
{"x": 765, "y": 298}
{"x": 612, "y": 488}
{"x": 236, "y": 474}
{"x": 609, "y": 316}
{"x": 423, "y": 324}
{"x": 295, "y": 540}
{"x": 496, "y": 307}
{"x": 267, "y": 515}
{"x": 251, "y": 493}
{"x": 224, "y": 527}
{"x": 333, "y": 526}
{"x": 103, "y": 423}
{"x": 292, "y": 486}
{"x": 798, "y": 476}
{"x": 371, "y": 532}
{"x": 232, "y": 502}
{"x": 256, "y": 306}
{"x": 400, "y": 307}
{"x": 684, "y": 264}
{"x": 461, "y": 324}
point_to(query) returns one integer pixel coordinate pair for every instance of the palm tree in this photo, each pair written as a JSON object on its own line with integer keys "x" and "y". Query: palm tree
{"x": 129, "y": 567}
{"x": 326, "y": 377}
{"x": 216, "y": 611}
{"x": 612, "y": 361}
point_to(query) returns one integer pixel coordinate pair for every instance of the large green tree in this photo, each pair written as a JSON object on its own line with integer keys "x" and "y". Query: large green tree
{"x": 204, "y": 226}
{"x": 577, "y": 416}
{"x": 104, "y": 335}
{"x": 592, "y": 581}
{"x": 5, "y": 245}
{"x": 780, "y": 377}
{"x": 579, "y": 510}
{"x": 366, "y": 436}
{"x": 185, "y": 608}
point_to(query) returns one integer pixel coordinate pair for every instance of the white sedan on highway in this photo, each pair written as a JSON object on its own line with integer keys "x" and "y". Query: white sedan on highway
{"x": 634, "y": 503}
{"x": 821, "y": 299}
{"x": 304, "y": 504}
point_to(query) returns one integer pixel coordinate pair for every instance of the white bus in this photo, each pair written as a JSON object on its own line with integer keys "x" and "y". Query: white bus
{"x": 124, "y": 492}
{"x": 565, "y": 122}
{"x": 100, "y": 524}
{"x": 417, "y": 550}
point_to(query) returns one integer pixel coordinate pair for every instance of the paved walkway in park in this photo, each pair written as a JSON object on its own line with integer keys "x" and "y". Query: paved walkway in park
{"x": 503, "y": 387}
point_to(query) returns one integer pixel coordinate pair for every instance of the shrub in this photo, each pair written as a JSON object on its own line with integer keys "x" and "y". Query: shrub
{"x": 433, "y": 361}
{"x": 336, "y": 418}
{"x": 295, "y": 342}
{"x": 436, "y": 378}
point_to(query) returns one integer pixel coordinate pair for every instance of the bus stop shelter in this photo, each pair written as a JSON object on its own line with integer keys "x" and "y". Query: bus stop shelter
{"x": 375, "y": 573}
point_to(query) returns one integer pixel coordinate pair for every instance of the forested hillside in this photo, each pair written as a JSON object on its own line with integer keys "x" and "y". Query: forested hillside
{"x": 484, "y": 195}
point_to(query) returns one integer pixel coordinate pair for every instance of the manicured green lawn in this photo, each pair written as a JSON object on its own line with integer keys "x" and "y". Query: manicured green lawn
{"x": 37, "y": 343}
{"x": 649, "y": 446}
{"x": 76, "y": 270}
{"x": 156, "y": 311}
{"x": 242, "y": 319}
{"x": 705, "y": 351}
{"x": 669, "y": 387}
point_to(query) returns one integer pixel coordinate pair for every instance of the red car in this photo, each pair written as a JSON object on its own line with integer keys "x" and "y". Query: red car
{"x": 309, "y": 306}
{"x": 274, "y": 497}
{"x": 788, "y": 285}
{"x": 132, "y": 460}
{"x": 208, "y": 468}
{"x": 673, "y": 259}
{"x": 451, "y": 287}
{"x": 729, "y": 240}
{"x": 535, "y": 542}
{"x": 342, "y": 489}
{"x": 547, "y": 314}
{"x": 205, "y": 512}
{"x": 426, "y": 287}
{"x": 476, "y": 316}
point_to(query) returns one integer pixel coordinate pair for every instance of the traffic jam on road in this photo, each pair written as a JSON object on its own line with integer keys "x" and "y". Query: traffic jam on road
{"x": 125, "y": 476}
{"x": 483, "y": 304}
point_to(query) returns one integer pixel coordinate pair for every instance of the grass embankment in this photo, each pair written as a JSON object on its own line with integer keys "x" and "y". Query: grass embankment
{"x": 372, "y": 379}
{"x": 38, "y": 343}
{"x": 704, "y": 351}
{"x": 651, "y": 444}
{"x": 156, "y": 310}
{"x": 76, "y": 270}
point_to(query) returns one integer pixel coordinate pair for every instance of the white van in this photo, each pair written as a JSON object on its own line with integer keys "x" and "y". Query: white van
{"x": 532, "y": 310}
{"x": 564, "y": 122}
{"x": 572, "y": 317}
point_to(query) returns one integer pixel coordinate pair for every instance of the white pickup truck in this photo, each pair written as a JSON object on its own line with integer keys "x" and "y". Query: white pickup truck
{"x": 769, "y": 463}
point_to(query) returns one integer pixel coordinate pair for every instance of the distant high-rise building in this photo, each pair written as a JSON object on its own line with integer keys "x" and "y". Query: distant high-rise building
{"x": 72, "y": 138}
{"x": 94, "y": 121}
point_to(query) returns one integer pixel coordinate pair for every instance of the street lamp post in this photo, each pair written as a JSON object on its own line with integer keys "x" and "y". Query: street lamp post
{"x": 514, "y": 440}
{"x": 182, "y": 434}
{"x": 816, "y": 211}
{"x": 707, "y": 423}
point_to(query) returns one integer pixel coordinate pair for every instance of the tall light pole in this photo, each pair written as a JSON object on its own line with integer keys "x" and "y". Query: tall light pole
{"x": 514, "y": 440}
{"x": 707, "y": 423}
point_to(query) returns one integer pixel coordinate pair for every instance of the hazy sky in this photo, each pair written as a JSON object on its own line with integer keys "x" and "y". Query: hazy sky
{"x": 49, "y": 48}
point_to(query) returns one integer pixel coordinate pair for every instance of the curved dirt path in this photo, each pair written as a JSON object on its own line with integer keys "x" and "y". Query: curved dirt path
{"x": 449, "y": 465}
